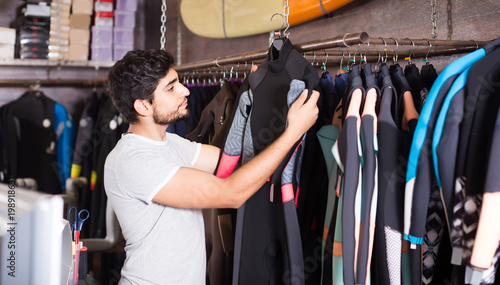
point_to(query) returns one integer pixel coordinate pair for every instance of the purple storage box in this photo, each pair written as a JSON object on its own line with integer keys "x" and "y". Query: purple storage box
{"x": 126, "y": 5}
{"x": 124, "y": 19}
{"x": 123, "y": 36}
{"x": 120, "y": 51}
{"x": 102, "y": 53}
{"x": 105, "y": 35}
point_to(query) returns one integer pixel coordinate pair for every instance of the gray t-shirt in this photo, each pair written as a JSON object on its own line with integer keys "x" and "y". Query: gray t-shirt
{"x": 164, "y": 245}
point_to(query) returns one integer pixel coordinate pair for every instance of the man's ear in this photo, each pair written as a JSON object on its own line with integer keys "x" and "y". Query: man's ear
{"x": 142, "y": 107}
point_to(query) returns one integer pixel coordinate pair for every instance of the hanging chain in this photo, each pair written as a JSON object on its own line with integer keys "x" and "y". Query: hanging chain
{"x": 286, "y": 13}
{"x": 434, "y": 19}
{"x": 163, "y": 22}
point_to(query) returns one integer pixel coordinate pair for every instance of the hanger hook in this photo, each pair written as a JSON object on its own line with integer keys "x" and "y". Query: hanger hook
{"x": 342, "y": 60}
{"x": 282, "y": 32}
{"x": 314, "y": 58}
{"x": 412, "y": 51}
{"x": 378, "y": 62}
{"x": 353, "y": 60}
{"x": 326, "y": 60}
{"x": 477, "y": 46}
{"x": 366, "y": 51}
{"x": 428, "y": 51}
{"x": 395, "y": 58}
{"x": 384, "y": 57}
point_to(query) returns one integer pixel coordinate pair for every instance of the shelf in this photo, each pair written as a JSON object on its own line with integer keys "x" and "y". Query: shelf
{"x": 18, "y": 62}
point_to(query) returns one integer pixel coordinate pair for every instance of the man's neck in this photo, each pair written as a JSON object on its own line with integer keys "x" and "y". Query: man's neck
{"x": 154, "y": 132}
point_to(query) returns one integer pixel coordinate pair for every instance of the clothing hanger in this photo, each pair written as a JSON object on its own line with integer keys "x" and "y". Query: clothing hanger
{"x": 323, "y": 66}
{"x": 352, "y": 61}
{"x": 426, "y": 60}
{"x": 281, "y": 36}
{"x": 395, "y": 57}
{"x": 35, "y": 88}
{"x": 411, "y": 53}
{"x": 363, "y": 60}
{"x": 314, "y": 58}
{"x": 341, "y": 69}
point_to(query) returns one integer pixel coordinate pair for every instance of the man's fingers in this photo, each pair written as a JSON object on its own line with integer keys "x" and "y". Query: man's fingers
{"x": 302, "y": 98}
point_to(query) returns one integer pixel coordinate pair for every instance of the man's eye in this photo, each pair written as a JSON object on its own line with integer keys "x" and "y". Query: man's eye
{"x": 171, "y": 88}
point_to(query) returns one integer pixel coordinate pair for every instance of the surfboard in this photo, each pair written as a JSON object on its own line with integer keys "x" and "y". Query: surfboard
{"x": 239, "y": 18}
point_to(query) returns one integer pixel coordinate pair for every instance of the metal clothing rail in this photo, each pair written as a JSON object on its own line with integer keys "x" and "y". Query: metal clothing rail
{"x": 339, "y": 41}
{"x": 401, "y": 47}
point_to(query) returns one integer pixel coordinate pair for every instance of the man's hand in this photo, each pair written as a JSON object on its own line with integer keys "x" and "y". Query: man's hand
{"x": 302, "y": 116}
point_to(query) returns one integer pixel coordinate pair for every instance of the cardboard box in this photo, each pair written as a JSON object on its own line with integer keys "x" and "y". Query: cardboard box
{"x": 79, "y": 21}
{"x": 62, "y": 28}
{"x": 55, "y": 41}
{"x": 56, "y": 21}
{"x": 60, "y": 9}
{"x": 78, "y": 52}
{"x": 7, "y": 50}
{"x": 59, "y": 34}
{"x": 55, "y": 55}
{"x": 7, "y": 36}
{"x": 83, "y": 7}
{"x": 61, "y": 2}
{"x": 79, "y": 36}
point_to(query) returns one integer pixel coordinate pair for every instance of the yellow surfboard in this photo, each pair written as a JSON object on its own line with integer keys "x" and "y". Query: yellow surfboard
{"x": 239, "y": 18}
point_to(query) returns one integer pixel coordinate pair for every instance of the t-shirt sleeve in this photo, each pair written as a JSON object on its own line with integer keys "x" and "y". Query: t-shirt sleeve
{"x": 140, "y": 182}
{"x": 141, "y": 173}
{"x": 190, "y": 149}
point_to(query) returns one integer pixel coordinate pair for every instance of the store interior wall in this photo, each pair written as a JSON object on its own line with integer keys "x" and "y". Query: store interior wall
{"x": 456, "y": 20}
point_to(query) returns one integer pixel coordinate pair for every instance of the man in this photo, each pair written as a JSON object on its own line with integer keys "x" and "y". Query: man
{"x": 157, "y": 183}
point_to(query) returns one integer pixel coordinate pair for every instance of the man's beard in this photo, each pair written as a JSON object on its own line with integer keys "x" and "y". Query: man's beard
{"x": 169, "y": 119}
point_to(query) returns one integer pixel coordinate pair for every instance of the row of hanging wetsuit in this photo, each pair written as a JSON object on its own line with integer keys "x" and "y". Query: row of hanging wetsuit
{"x": 380, "y": 191}
{"x": 36, "y": 141}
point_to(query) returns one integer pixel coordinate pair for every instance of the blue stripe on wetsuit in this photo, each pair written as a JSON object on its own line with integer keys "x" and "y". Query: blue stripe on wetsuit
{"x": 64, "y": 128}
{"x": 438, "y": 132}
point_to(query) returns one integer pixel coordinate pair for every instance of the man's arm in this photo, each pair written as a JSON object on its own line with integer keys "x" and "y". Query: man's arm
{"x": 194, "y": 188}
{"x": 208, "y": 158}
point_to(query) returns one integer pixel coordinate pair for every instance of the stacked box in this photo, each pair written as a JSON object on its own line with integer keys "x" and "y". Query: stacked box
{"x": 79, "y": 34}
{"x": 59, "y": 30}
{"x": 33, "y": 30}
{"x": 7, "y": 42}
{"x": 123, "y": 31}
{"x": 102, "y": 37}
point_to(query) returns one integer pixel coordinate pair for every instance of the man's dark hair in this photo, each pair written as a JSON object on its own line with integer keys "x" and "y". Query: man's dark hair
{"x": 136, "y": 76}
